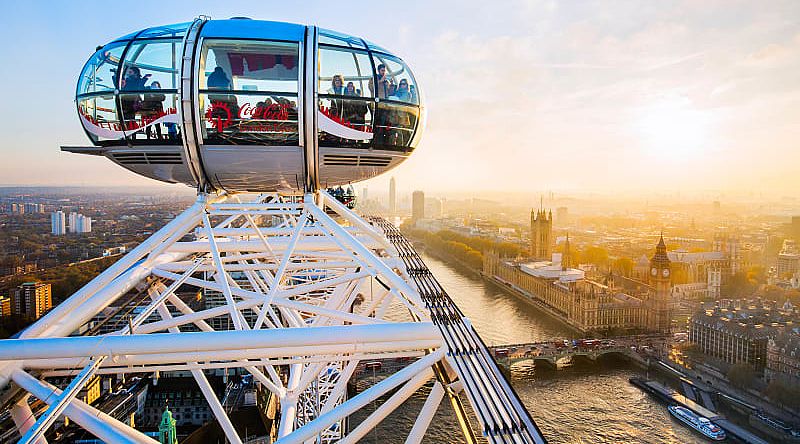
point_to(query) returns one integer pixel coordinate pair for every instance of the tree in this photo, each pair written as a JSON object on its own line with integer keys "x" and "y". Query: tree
{"x": 737, "y": 286}
{"x": 783, "y": 393}
{"x": 772, "y": 292}
{"x": 756, "y": 275}
{"x": 595, "y": 255}
{"x": 741, "y": 375}
{"x": 694, "y": 353}
{"x": 624, "y": 266}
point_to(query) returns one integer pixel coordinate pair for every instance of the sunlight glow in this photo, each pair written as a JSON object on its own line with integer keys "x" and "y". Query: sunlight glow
{"x": 673, "y": 130}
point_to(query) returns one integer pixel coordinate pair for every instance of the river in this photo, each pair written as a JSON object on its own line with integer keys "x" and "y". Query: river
{"x": 593, "y": 404}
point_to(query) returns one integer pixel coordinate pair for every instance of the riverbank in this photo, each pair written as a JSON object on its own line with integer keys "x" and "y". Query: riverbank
{"x": 640, "y": 364}
{"x": 443, "y": 256}
{"x": 586, "y": 402}
{"x": 518, "y": 292}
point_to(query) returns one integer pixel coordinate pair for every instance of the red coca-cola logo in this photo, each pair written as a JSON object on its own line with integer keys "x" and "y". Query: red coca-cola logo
{"x": 219, "y": 115}
{"x": 273, "y": 111}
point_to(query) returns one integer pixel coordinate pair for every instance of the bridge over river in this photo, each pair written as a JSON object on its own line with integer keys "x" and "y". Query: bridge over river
{"x": 552, "y": 353}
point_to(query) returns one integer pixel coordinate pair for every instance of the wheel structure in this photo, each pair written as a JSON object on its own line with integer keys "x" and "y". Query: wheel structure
{"x": 309, "y": 293}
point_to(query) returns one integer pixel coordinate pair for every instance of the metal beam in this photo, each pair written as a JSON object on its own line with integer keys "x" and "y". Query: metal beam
{"x": 94, "y": 421}
{"x": 426, "y": 414}
{"x": 352, "y": 405}
{"x": 186, "y": 342}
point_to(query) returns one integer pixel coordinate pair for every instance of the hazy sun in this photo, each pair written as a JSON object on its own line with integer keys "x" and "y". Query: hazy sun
{"x": 673, "y": 130}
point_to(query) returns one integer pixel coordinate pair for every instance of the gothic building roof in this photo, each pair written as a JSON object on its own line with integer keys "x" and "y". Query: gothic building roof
{"x": 660, "y": 259}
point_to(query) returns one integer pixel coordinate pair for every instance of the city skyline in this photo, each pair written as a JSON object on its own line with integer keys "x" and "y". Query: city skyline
{"x": 540, "y": 96}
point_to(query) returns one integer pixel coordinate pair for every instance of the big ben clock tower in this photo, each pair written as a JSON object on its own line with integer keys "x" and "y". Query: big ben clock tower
{"x": 658, "y": 314}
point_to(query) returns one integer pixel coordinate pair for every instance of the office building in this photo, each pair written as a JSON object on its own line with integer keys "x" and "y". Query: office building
{"x": 739, "y": 332}
{"x": 5, "y": 306}
{"x": 32, "y": 300}
{"x": 33, "y": 208}
{"x": 392, "y": 197}
{"x": 58, "y": 225}
{"x": 783, "y": 358}
{"x": 417, "y": 206}
{"x": 78, "y": 223}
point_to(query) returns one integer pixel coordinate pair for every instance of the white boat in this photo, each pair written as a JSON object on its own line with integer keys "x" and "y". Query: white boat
{"x": 697, "y": 422}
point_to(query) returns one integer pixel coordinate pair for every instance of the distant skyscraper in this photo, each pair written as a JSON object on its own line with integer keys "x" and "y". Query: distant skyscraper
{"x": 417, "y": 206}
{"x": 84, "y": 224}
{"x": 78, "y": 223}
{"x": 434, "y": 209}
{"x": 796, "y": 227}
{"x": 32, "y": 208}
{"x": 364, "y": 195}
{"x": 73, "y": 222}
{"x": 392, "y": 197}
{"x": 58, "y": 224}
{"x": 562, "y": 214}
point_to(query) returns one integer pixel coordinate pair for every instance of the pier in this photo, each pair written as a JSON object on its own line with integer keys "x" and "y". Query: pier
{"x": 670, "y": 396}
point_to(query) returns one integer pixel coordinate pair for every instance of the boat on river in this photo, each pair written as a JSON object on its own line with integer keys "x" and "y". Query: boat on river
{"x": 697, "y": 422}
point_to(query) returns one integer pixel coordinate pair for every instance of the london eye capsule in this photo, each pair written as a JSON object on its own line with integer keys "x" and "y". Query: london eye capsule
{"x": 246, "y": 105}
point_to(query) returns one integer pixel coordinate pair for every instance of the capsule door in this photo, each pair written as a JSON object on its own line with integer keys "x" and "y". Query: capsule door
{"x": 249, "y": 110}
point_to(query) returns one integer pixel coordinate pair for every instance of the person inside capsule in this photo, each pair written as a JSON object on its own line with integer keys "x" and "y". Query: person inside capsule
{"x": 219, "y": 80}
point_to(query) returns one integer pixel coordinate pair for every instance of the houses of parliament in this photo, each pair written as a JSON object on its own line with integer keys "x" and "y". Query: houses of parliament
{"x": 611, "y": 303}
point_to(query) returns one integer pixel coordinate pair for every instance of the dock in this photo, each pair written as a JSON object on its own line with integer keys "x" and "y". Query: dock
{"x": 667, "y": 395}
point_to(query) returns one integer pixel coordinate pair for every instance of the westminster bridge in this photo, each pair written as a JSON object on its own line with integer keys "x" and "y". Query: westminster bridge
{"x": 550, "y": 354}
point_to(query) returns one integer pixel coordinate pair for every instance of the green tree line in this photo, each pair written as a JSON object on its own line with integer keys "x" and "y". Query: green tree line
{"x": 468, "y": 249}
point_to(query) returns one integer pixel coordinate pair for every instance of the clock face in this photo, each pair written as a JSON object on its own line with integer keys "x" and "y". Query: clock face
{"x": 654, "y": 271}
{"x": 666, "y": 272}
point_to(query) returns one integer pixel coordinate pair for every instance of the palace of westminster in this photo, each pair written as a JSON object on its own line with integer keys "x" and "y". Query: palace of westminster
{"x": 611, "y": 303}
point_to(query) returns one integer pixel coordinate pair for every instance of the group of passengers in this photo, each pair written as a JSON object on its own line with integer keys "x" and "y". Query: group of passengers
{"x": 386, "y": 88}
{"x": 351, "y": 111}
{"x": 392, "y": 125}
{"x": 149, "y": 106}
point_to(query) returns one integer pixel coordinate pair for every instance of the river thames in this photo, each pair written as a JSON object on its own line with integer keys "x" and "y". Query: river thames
{"x": 594, "y": 404}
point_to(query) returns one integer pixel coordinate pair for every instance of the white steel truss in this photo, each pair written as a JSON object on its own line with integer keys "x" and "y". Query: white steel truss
{"x": 304, "y": 291}
{"x": 295, "y": 287}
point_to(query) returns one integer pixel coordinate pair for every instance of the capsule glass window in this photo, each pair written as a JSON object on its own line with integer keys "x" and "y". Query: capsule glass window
{"x": 346, "y": 102}
{"x": 148, "y": 92}
{"x": 340, "y": 67}
{"x": 100, "y": 72}
{"x": 151, "y": 64}
{"x": 98, "y": 114}
{"x": 394, "y": 126}
{"x": 394, "y": 80}
{"x": 248, "y": 92}
{"x": 328, "y": 37}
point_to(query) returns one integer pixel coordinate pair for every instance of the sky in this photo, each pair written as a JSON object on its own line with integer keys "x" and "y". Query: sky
{"x": 569, "y": 96}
